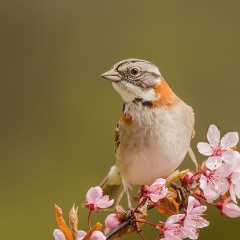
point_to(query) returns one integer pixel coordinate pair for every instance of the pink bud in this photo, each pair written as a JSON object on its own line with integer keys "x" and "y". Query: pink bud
{"x": 230, "y": 209}
{"x": 112, "y": 221}
{"x": 97, "y": 235}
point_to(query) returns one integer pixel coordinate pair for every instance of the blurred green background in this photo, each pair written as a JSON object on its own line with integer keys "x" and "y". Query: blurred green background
{"x": 58, "y": 116}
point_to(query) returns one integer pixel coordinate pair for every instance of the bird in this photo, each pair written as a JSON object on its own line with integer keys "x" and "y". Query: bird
{"x": 154, "y": 131}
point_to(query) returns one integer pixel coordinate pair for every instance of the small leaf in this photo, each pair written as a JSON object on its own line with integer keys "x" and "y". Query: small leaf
{"x": 127, "y": 230}
{"x": 234, "y": 148}
{"x": 62, "y": 224}
{"x": 168, "y": 204}
{"x": 73, "y": 220}
{"x": 176, "y": 175}
{"x": 96, "y": 227}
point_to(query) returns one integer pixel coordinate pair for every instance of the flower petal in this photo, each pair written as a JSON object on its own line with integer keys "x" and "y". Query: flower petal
{"x": 81, "y": 234}
{"x": 229, "y": 140}
{"x": 159, "y": 181}
{"x": 214, "y": 162}
{"x": 213, "y": 135}
{"x": 203, "y": 182}
{"x": 155, "y": 197}
{"x": 169, "y": 235}
{"x": 221, "y": 184}
{"x": 231, "y": 210}
{"x": 112, "y": 221}
{"x": 58, "y": 234}
{"x": 104, "y": 202}
{"x": 175, "y": 218}
{"x": 205, "y": 149}
{"x": 210, "y": 193}
{"x": 199, "y": 210}
{"x": 225, "y": 169}
{"x": 231, "y": 155}
{"x": 97, "y": 235}
{"x": 94, "y": 194}
{"x": 232, "y": 193}
{"x": 191, "y": 201}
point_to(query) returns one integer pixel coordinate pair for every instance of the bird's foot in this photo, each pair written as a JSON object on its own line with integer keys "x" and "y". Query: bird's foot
{"x": 182, "y": 194}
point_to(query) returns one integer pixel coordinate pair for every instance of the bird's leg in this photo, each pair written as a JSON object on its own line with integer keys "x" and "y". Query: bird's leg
{"x": 129, "y": 198}
{"x": 193, "y": 158}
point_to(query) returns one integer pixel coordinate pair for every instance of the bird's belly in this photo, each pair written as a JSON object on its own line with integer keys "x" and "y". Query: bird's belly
{"x": 155, "y": 150}
{"x": 146, "y": 165}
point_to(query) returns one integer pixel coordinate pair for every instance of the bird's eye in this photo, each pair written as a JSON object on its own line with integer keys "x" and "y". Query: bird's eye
{"x": 134, "y": 71}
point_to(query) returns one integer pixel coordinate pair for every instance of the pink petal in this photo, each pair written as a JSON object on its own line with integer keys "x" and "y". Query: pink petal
{"x": 191, "y": 201}
{"x": 221, "y": 184}
{"x": 234, "y": 192}
{"x": 229, "y": 140}
{"x": 169, "y": 235}
{"x": 112, "y": 221}
{"x": 210, "y": 193}
{"x": 203, "y": 182}
{"x": 185, "y": 232}
{"x": 197, "y": 222}
{"x": 94, "y": 194}
{"x": 213, "y": 136}
{"x": 81, "y": 235}
{"x": 231, "y": 156}
{"x": 58, "y": 234}
{"x": 104, "y": 202}
{"x": 199, "y": 210}
{"x": 231, "y": 210}
{"x": 214, "y": 162}
{"x": 97, "y": 235}
{"x": 202, "y": 223}
{"x": 225, "y": 169}
{"x": 155, "y": 197}
{"x": 205, "y": 149}
{"x": 190, "y": 233}
{"x": 174, "y": 218}
{"x": 235, "y": 178}
{"x": 159, "y": 181}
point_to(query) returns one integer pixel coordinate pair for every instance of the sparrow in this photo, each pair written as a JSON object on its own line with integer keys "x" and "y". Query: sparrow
{"x": 154, "y": 130}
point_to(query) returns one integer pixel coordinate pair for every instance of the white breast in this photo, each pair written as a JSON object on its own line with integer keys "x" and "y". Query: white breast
{"x": 155, "y": 143}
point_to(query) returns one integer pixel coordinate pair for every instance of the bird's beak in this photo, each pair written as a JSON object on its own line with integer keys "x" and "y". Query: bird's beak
{"x": 112, "y": 75}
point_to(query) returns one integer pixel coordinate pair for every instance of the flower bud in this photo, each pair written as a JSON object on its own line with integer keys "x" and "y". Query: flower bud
{"x": 112, "y": 221}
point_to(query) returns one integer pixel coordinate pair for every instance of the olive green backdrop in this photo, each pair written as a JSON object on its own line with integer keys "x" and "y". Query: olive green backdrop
{"x": 58, "y": 116}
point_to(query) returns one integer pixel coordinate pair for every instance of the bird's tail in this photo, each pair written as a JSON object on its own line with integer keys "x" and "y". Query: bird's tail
{"x": 112, "y": 186}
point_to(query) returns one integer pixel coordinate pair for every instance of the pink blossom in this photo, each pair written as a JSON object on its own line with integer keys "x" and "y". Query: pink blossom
{"x": 193, "y": 219}
{"x": 157, "y": 190}
{"x": 58, "y": 235}
{"x": 213, "y": 185}
{"x": 230, "y": 209}
{"x": 173, "y": 230}
{"x": 235, "y": 186}
{"x": 235, "y": 182}
{"x": 219, "y": 151}
{"x": 97, "y": 235}
{"x": 112, "y": 221}
{"x": 95, "y": 199}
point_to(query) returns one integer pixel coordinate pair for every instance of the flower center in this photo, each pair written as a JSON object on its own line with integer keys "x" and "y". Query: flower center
{"x": 218, "y": 151}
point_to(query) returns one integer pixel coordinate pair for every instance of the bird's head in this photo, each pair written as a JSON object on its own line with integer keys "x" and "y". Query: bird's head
{"x": 136, "y": 79}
